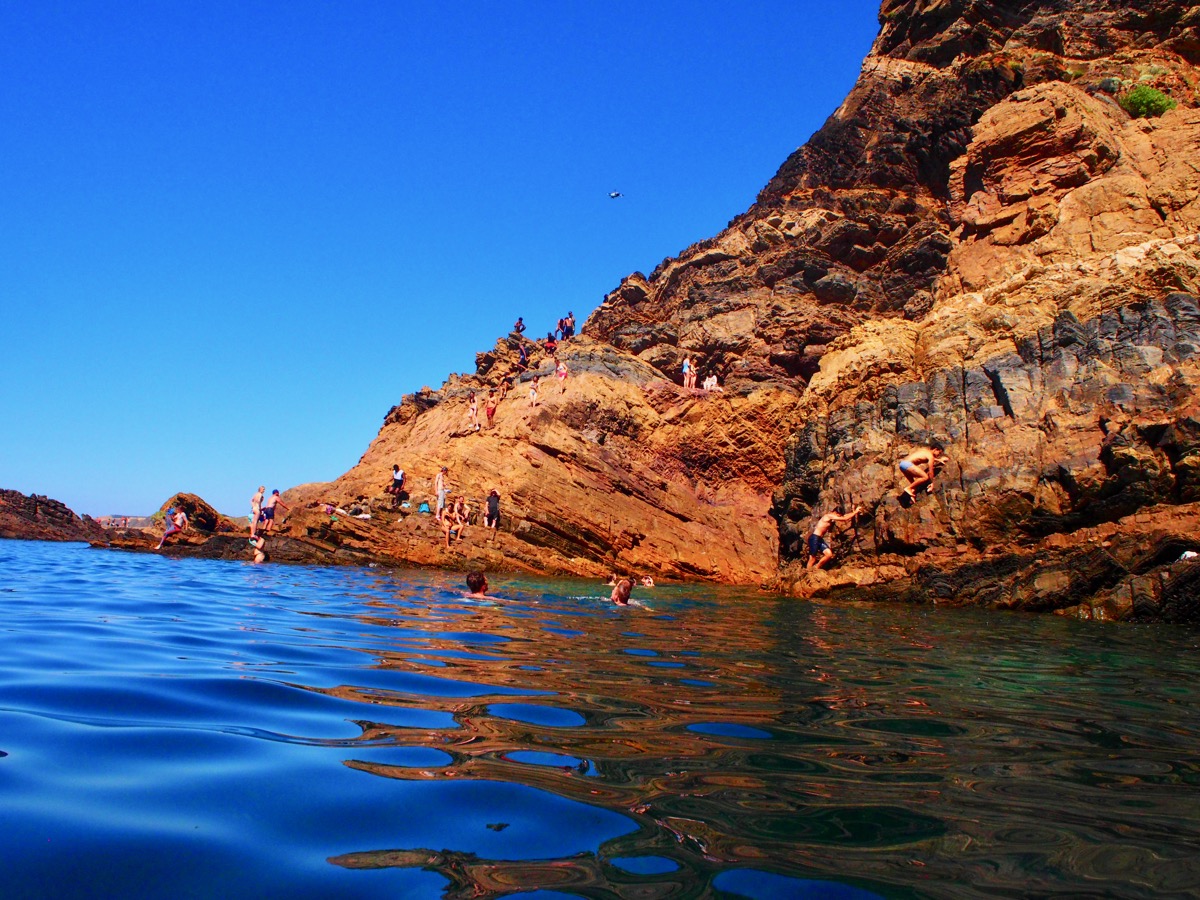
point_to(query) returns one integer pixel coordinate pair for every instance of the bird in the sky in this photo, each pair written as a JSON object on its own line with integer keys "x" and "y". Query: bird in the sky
{"x": 615, "y": 194}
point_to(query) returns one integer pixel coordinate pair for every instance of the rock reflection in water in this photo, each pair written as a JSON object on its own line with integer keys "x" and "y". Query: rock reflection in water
{"x": 258, "y": 731}
{"x": 783, "y": 742}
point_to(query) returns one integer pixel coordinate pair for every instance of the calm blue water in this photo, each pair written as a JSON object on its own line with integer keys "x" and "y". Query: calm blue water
{"x": 187, "y": 728}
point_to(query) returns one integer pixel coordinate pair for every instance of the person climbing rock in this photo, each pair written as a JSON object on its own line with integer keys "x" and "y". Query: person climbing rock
{"x": 819, "y": 552}
{"x": 919, "y": 467}
{"x": 268, "y": 510}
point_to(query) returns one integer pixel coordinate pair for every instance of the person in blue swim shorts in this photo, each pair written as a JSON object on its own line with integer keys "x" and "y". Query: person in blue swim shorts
{"x": 919, "y": 467}
{"x": 819, "y": 552}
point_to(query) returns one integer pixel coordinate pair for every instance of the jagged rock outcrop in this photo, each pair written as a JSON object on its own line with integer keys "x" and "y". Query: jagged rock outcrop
{"x": 980, "y": 247}
{"x": 40, "y": 518}
{"x": 621, "y": 470}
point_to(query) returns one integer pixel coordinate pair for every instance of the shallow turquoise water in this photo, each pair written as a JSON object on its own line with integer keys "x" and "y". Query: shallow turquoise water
{"x": 187, "y": 728}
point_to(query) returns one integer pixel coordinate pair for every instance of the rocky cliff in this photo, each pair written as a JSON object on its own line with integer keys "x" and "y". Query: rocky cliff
{"x": 40, "y": 518}
{"x": 980, "y": 247}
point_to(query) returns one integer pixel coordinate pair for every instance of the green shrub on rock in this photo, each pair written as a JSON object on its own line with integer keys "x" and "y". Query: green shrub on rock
{"x": 1146, "y": 102}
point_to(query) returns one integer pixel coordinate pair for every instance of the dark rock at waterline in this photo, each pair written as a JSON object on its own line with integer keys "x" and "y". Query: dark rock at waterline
{"x": 35, "y": 517}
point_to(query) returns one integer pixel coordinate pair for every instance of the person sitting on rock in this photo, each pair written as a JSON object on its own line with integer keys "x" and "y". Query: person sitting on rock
{"x": 177, "y": 522}
{"x": 819, "y": 553}
{"x": 919, "y": 467}
{"x": 551, "y": 344}
{"x": 454, "y": 522}
{"x": 396, "y": 488}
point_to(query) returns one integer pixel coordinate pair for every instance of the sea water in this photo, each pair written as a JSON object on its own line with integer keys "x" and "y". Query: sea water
{"x": 190, "y": 728}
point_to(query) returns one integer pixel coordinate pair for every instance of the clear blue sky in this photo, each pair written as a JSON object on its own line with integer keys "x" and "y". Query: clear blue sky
{"x": 234, "y": 234}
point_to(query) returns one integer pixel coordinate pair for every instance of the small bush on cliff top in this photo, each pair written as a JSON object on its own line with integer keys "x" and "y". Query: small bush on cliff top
{"x": 1146, "y": 102}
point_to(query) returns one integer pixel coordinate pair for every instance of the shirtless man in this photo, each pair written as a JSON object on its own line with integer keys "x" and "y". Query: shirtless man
{"x": 490, "y": 407}
{"x": 919, "y": 467}
{"x": 439, "y": 488}
{"x": 176, "y": 524}
{"x": 819, "y": 553}
{"x": 256, "y": 508}
{"x": 268, "y": 510}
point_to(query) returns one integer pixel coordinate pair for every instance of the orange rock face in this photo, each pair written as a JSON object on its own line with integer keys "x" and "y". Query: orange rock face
{"x": 980, "y": 247}
{"x": 617, "y": 469}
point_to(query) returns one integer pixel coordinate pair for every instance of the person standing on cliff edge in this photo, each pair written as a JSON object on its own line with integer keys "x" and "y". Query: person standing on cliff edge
{"x": 269, "y": 510}
{"x": 439, "y": 488}
{"x": 819, "y": 554}
{"x": 256, "y": 508}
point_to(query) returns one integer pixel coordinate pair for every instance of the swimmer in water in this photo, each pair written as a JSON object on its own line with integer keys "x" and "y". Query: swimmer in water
{"x": 259, "y": 544}
{"x": 477, "y": 585}
{"x": 620, "y": 593}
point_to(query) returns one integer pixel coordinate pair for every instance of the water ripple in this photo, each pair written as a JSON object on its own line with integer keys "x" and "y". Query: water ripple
{"x": 318, "y": 732}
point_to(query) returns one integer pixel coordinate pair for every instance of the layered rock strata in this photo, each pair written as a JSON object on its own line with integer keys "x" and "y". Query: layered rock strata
{"x": 980, "y": 247}
{"x": 40, "y": 518}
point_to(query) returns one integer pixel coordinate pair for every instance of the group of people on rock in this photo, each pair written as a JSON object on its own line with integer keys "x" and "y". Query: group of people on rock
{"x": 691, "y": 370}
{"x": 918, "y": 469}
{"x": 455, "y": 517}
{"x": 562, "y": 331}
{"x": 262, "y": 520}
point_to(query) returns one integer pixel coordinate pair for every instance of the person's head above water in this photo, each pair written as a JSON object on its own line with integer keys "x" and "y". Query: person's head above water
{"x": 621, "y": 592}
{"x": 477, "y": 583}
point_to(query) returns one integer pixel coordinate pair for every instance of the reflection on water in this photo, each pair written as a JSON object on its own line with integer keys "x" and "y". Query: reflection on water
{"x": 192, "y": 728}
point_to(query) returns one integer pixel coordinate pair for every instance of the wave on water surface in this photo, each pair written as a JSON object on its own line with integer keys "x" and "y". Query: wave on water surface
{"x": 192, "y": 728}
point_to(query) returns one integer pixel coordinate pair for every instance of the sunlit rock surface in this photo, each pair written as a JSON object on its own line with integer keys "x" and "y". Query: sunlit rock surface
{"x": 980, "y": 247}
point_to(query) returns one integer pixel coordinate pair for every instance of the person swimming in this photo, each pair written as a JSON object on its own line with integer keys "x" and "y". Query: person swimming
{"x": 620, "y": 593}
